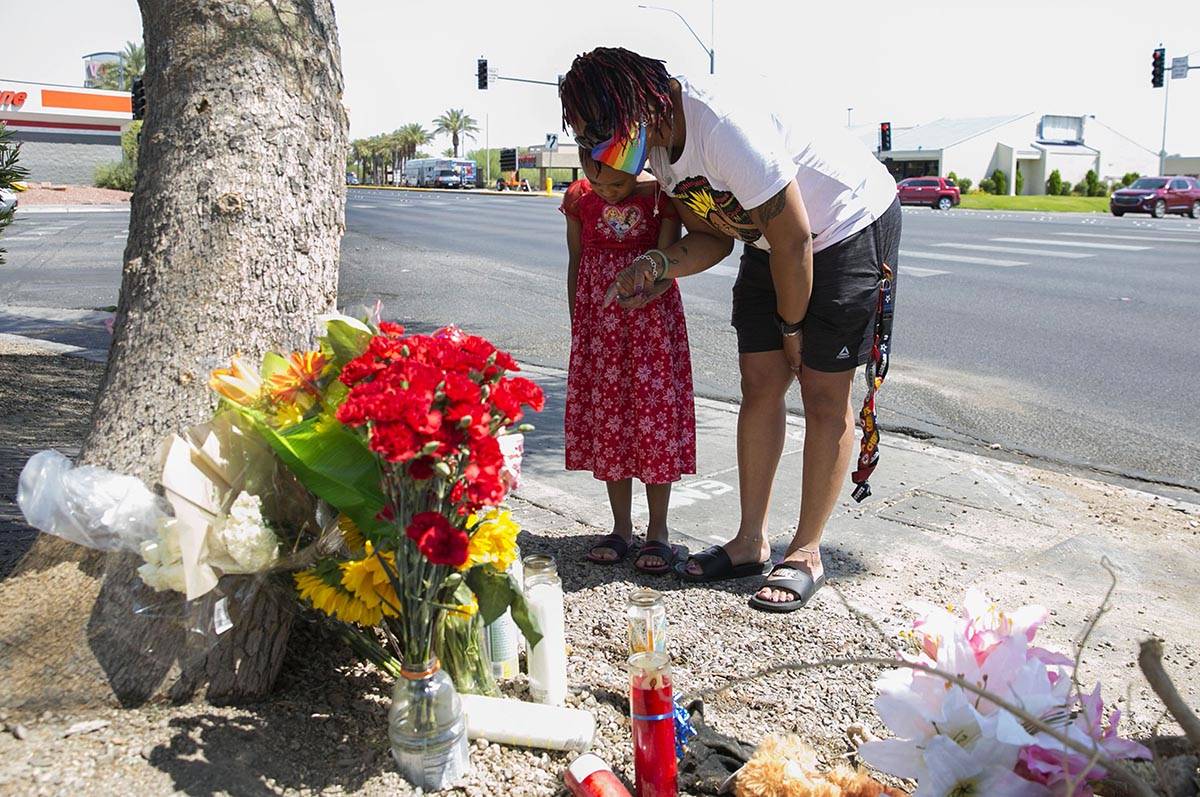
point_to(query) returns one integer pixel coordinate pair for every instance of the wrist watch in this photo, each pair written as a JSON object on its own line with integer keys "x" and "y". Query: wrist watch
{"x": 786, "y": 329}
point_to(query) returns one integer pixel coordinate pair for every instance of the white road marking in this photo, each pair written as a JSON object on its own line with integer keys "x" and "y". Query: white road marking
{"x": 917, "y": 271}
{"x": 21, "y": 238}
{"x": 1085, "y": 244}
{"x": 1016, "y": 250}
{"x": 1145, "y": 238}
{"x": 121, "y": 235}
{"x": 362, "y": 206}
{"x": 983, "y": 261}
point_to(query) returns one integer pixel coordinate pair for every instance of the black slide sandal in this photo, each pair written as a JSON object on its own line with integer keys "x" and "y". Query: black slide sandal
{"x": 715, "y": 565}
{"x": 795, "y": 581}
{"x": 655, "y": 548}
{"x": 613, "y": 542}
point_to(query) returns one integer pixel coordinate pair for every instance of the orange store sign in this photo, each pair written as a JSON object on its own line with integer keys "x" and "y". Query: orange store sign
{"x": 12, "y": 99}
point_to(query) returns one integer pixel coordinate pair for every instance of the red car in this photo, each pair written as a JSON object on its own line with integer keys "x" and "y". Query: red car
{"x": 1158, "y": 196}
{"x": 936, "y": 192}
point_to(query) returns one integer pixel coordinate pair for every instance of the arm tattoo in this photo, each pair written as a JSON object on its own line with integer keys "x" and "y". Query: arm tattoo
{"x": 771, "y": 208}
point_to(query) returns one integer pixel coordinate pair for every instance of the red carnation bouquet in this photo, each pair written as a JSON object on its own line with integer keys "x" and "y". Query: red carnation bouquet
{"x": 431, "y": 408}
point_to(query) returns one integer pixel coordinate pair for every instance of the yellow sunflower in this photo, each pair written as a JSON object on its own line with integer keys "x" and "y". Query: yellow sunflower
{"x": 367, "y": 580}
{"x": 493, "y": 540}
{"x": 321, "y": 587}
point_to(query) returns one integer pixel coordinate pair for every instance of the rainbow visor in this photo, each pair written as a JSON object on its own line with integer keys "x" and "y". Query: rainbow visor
{"x": 627, "y": 154}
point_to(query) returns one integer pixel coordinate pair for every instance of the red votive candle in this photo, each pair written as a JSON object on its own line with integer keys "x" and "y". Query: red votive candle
{"x": 589, "y": 776}
{"x": 652, "y": 716}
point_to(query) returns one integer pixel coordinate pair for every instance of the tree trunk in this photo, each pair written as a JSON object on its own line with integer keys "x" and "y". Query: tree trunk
{"x": 235, "y": 228}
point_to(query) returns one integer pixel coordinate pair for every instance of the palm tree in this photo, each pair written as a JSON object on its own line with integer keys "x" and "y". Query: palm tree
{"x": 455, "y": 122}
{"x": 414, "y": 135}
{"x": 120, "y": 77}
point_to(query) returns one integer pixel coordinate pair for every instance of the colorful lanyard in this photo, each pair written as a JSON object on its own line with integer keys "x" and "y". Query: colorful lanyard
{"x": 877, "y": 368}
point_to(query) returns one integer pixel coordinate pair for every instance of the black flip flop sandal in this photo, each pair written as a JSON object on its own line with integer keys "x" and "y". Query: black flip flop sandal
{"x": 655, "y": 548}
{"x": 795, "y": 581}
{"x": 613, "y": 542}
{"x": 715, "y": 565}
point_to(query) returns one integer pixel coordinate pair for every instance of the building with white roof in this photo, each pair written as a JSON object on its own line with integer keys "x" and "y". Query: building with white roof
{"x": 1033, "y": 144}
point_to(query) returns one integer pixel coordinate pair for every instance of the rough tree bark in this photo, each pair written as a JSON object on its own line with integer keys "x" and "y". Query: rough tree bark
{"x": 235, "y": 228}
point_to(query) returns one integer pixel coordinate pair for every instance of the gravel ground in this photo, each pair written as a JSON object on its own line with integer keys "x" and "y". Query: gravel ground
{"x": 324, "y": 729}
{"x": 50, "y": 194}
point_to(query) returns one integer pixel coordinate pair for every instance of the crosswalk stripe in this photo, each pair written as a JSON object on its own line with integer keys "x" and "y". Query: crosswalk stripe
{"x": 1016, "y": 250}
{"x": 1085, "y": 244}
{"x": 1145, "y": 238}
{"x": 983, "y": 261}
{"x": 917, "y": 271}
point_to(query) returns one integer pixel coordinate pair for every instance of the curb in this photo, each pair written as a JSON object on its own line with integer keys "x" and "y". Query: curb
{"x": 459, "y": 191}
{"x": 23, "y": 210}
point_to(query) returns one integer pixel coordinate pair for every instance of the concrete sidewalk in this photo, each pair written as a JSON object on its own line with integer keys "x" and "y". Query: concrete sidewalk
{"x": 939, "y": 521}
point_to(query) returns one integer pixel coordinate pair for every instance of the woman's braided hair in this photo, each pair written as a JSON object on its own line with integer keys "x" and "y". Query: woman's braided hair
{"x": 611, "y": 89}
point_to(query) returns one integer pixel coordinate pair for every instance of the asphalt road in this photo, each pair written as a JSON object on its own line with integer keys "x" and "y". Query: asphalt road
{"x": 1065, "y": 337}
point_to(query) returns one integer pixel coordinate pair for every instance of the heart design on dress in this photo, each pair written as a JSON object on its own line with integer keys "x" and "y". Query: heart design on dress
{"x": 622, "y": 220}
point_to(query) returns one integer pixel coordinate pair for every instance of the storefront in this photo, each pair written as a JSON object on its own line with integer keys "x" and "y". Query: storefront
{"x": 65, "y": 131}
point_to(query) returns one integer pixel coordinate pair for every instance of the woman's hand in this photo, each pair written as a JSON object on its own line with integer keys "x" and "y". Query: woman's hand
{"x": 633, "y": 282}
{"x": 792, "y": 344}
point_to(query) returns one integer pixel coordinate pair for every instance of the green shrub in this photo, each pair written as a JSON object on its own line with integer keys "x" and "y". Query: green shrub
{"x": 987, "y": 185}
{"x": 1000, "y": 180}
{"x": 1129, "y": 178}
{"x": 964, "y": 185}
{"x": 118, "y": 176}
{"x": 1020, "y": 182}
{"x": 1065, "y": 188}
{"x": 1054, "y": 184}
{"x": 122, "y": 174}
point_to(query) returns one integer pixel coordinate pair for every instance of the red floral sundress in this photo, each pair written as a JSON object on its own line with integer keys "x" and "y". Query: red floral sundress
{"x": 630, "y": 410}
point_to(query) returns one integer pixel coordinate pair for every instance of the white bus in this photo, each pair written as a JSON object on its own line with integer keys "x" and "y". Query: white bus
{"x": 439, "y": 173}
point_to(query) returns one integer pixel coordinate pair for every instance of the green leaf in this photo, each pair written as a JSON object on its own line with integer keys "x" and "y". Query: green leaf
{"x": 346, "y": 338}
{"x": 523, "y": 619}
{"x": 331, "y": 461}
{"x": 498, "y": 592}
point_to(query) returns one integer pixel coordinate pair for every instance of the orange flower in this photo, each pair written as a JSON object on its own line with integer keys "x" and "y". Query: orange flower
{"x": 237, "y": 383}
{"x": 303, "y": 370}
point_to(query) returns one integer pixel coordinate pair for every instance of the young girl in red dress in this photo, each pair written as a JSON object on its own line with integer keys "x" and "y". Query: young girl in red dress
{"x": 630, "y": 412}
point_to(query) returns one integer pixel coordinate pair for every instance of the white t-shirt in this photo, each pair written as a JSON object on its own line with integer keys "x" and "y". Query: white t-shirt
{"x": 738, "y": 154}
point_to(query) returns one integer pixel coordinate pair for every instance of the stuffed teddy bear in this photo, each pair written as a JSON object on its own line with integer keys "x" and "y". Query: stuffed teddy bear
{"x": 784, "y": 766}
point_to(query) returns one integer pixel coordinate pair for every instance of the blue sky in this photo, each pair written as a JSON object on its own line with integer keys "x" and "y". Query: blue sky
{"x": 905, "y": 62}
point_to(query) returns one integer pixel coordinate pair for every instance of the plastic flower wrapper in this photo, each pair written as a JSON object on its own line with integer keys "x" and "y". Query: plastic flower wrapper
{"x": 213, "y": 475}
{"x": 88, "y": 505}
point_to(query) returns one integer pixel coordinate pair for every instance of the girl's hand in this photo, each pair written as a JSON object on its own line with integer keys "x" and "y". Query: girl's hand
{"x": 649, "y": 295}
{"x": 633, "y": 281}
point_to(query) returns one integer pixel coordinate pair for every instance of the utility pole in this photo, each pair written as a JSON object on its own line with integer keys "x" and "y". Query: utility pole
{"x": 848, "y": 124}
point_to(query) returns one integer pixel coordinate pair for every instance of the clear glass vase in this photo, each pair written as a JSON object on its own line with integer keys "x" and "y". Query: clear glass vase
{"x": 427, "y": 730}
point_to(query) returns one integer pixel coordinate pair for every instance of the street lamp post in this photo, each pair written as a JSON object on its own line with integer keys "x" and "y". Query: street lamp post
{"x": 709, "y": 48}
{"x": 848, "y": 110}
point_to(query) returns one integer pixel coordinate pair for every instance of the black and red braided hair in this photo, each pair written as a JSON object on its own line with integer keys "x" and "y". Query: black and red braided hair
{"x": 611, "y": 89}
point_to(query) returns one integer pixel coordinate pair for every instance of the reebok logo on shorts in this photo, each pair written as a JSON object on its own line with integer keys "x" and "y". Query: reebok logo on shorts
{"x": 844, "y": 353}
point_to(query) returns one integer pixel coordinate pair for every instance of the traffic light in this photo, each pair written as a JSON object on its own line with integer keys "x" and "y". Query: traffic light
{"x": 139, "y": 98}
{"x": 885, "y": 136}
{"x": 481, "y": 73}
{"x": 1158, "y": 65}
